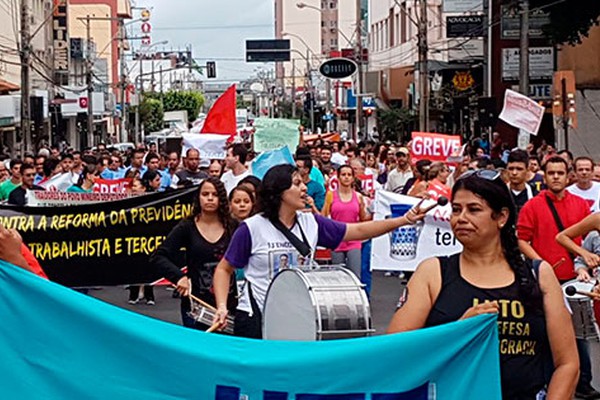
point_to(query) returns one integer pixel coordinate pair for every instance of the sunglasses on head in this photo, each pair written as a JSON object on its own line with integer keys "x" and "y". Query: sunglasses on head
{"x": 487, "y": 174}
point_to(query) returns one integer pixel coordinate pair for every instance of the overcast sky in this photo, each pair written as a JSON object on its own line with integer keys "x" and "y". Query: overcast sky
{"x": 216, "y": 29}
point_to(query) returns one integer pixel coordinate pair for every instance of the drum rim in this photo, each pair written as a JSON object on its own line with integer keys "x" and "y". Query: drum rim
{"x": 301, "y": 271}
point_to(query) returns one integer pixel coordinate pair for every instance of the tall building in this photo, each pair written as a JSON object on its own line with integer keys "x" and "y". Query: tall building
{"x": 315, "y": 28}
{"x": 10, "y": 67}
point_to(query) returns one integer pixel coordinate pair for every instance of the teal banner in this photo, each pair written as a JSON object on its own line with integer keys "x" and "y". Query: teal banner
{"x": 273, "y": 133}
{"x": 59, "y": 344}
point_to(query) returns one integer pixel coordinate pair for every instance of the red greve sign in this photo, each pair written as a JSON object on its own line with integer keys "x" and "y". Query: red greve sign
{"x": 433, "y": 146}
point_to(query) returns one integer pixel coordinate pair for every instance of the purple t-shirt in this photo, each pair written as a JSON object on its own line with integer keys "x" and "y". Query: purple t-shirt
{"x": 330, "y": 235}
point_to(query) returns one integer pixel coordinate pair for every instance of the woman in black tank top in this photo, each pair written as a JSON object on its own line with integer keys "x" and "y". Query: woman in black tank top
{"x": 537, "y": 343}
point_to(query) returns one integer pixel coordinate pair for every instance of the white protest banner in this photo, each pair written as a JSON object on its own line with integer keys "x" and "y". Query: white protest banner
{"x": 39, "y": 198}
{"x": 433, "y": 146}
{"x": 112, "y": 185}
{"x": 211, "y": 146}
{"x": 58, "y": 183}
{"x": 522, "y": 112}
{"x": 404, "y": 248}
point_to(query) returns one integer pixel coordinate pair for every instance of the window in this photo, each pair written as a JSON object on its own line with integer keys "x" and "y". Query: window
{"x": 333, "y": 5}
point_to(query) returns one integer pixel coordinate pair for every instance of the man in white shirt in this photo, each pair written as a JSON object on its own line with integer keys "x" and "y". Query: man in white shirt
{"x": 338, "y": 157}
{"x": 398, "y": 177}
{"x": 584, "y": 186}
{"x": 235, "y": 162}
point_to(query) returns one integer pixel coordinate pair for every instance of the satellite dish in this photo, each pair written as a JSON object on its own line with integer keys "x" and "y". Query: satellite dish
{"x": 257, "y": 87}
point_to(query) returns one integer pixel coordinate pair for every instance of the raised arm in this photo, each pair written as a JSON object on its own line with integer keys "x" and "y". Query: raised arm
{"x": 561, "y": 337}
{"x": 582, "y": 228}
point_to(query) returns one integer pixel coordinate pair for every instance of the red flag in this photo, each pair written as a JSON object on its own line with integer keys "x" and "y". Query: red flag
{"x": 221, "y": 116}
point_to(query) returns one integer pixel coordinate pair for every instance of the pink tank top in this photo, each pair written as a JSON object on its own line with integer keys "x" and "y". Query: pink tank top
{"x": 348, "y": 212}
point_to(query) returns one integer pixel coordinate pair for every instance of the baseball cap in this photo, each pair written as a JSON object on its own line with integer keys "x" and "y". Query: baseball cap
{"x": 403, "y": 150}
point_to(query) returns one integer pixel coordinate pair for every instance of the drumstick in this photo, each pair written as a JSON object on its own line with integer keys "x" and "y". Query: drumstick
{"x": 572, "y": 290}
{"x": 213, "y": 327}
{"x": 202, "y": 303}
{"x": 559, "y": 263}
{"x": 442, "y": 201}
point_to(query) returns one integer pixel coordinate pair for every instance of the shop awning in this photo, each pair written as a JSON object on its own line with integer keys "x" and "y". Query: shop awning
{"x": 6, "y": 86}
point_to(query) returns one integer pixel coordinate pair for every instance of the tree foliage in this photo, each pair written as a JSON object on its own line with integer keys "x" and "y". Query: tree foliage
{"x": 395, "y": 123}
{"x": 151, "y": 114}
{"x": 570, "y": 20}
{"x": 174, "y": 100}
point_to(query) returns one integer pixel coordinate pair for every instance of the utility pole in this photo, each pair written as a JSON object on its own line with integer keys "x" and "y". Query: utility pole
{"x": 89, "y": 82}
{"x": 293, "y": 88}
{"x": 122, "y": 81}
{"x": 359, "y": 63}
{"x": 524, "y": 49}
{"x": 25, "y": 78}
{"x": 423, "y": 69}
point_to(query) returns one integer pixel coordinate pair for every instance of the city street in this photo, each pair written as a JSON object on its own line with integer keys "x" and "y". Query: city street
{"x": 386, "y": 291}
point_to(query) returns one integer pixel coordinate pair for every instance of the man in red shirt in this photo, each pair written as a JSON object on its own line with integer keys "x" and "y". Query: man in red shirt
{"x": 537, "y": 229}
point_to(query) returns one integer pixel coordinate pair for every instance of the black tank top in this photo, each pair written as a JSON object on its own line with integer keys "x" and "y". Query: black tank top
{"x": 524, "y": 348}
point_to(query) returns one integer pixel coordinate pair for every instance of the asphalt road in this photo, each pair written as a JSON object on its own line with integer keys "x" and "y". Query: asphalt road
{"x": 384, "y": 296}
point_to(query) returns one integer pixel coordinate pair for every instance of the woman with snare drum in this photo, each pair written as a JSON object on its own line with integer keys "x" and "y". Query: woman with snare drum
{"x": 281, "y": 235}
{"x": 491, "y": 276}
{"x": 205, "y": 237}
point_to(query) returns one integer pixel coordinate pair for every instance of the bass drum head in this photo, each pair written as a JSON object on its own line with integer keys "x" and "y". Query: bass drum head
{"x": 289, "y": 313}
{"x": 579, "y": 286}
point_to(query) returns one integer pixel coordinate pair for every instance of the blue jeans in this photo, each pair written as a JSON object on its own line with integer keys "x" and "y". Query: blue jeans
{"x": 585, "y": 364}
{"x": 365, "y": 273}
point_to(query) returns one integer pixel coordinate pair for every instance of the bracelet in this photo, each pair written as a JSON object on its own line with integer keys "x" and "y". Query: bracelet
{"x": 408, "y": 219}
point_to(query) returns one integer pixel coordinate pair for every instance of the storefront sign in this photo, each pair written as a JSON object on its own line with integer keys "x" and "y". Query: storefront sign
{"x": 510, "y": 26}
{"x": 462, "y": 6}
{"x": 61, "y": 37}
{"x": 541, "y": 63}
{"x": 464, "y": 26}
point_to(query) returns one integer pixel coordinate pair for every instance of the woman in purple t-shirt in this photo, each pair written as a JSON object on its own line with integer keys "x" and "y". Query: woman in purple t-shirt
{"x": 261, "y": 249}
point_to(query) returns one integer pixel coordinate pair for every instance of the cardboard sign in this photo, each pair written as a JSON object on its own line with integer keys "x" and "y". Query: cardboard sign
{"x": 522, "y": 112}
{"x": 433, "y": 146}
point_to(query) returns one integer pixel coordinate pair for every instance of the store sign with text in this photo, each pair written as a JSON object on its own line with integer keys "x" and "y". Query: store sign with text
{"x": 60, "y": 37}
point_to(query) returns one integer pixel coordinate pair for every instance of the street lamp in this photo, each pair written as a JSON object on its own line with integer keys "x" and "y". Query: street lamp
{"x": 308, "y": 78}
{"x": 141, "y": 87}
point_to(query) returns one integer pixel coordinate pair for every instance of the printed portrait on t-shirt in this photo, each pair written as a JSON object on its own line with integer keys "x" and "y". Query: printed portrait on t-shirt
{"x": 283, "y": 259}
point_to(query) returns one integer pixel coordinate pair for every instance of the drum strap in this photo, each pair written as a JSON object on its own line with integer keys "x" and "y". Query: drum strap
{"x": 557, "y": 219}
{"x": 301, "y": 245}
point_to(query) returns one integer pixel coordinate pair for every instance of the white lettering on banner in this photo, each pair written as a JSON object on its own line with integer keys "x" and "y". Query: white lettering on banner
{"x": 432, "y": 146}
{"x": 404, "y": 248}
{"x": 112, "y": 186}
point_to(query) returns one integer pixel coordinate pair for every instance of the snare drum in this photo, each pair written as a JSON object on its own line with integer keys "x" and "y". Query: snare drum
{"x": 316, "y": 304}
{"x": 582, "y": 309}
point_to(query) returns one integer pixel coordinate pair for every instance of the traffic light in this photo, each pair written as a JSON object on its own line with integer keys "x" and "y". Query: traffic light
{"x": 211, "y": 69}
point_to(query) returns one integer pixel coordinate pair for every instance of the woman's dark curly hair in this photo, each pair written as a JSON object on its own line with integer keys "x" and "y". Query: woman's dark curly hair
{"x": 222, "y": 211}
{"x": 276, "y": 181}
{"x": 497, "y": 196}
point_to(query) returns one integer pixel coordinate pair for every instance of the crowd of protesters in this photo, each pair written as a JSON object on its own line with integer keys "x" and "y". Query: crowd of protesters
{"x": 551, "y": 191}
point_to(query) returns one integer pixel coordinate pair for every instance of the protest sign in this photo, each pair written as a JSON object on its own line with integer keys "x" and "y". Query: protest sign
{"x": 522, "y": 112}
{"x": 433, "y": 146}
{"x": 404, "y": 248}
{"x": 211, "y": 146}
{"x": 274, "y": 133}
{"x": 40, "y": 198}
{"x": 60, "y": 182}
{"x": 100, "y": 244}
{"x": 112, "y": 185}
{"x": 82, "y": 347}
